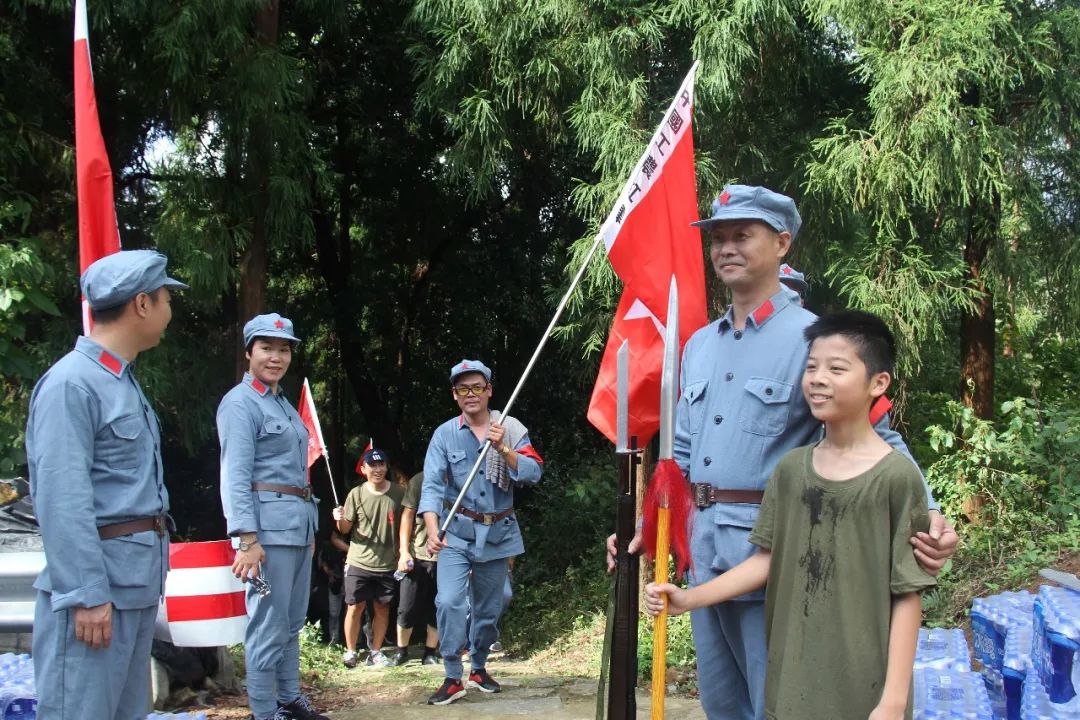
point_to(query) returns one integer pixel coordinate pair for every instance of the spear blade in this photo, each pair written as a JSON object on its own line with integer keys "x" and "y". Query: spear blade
{"x": 622, "y": 398}
{"x": 669, "y": 377}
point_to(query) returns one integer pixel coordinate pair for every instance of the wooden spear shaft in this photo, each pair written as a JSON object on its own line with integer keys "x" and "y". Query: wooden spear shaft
{"x": 659, "y": 653}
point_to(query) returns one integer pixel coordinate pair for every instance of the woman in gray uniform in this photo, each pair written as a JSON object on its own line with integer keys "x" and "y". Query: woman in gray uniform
{"x": 270, "y": 512}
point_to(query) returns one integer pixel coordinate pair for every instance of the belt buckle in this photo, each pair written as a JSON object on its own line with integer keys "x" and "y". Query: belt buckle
{"x": 488, "y": 518}
{"x": 159, "y": 526}
{"x": 701, "y": 495}
{"x": 307, "y": 492}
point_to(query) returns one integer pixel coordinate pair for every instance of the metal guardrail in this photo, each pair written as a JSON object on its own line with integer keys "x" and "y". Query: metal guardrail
{"x": 18, "y": 570}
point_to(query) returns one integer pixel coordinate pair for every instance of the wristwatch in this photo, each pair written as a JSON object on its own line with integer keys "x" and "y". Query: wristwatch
{"x": 504, "y": 450}
{"x": 245, "y": 546}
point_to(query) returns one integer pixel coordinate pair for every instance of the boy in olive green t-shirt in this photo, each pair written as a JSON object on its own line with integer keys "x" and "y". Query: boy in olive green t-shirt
{"x": 842, "y": 607}
{"x": 369, "y": 519}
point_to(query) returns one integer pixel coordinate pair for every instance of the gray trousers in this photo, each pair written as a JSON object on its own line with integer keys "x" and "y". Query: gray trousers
{"x": 272, "y": 642}
{"x": 75, "y": 682}
{"x": 483, "y": 589}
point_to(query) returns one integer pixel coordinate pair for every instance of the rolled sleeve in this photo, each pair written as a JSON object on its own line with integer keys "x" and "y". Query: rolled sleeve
{"x": 886, "y": 433}
{"x": 64, "y": 416}
{"x": 236, "y": 432}
{"x": 528, "y": 470}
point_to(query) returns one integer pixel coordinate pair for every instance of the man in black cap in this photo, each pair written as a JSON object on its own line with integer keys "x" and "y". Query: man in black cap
{"x": 369, "y": 519}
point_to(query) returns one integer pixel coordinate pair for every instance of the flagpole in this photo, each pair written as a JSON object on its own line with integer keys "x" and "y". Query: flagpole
{"x": 521, "y": 383}
{"x": 330, "y": 474}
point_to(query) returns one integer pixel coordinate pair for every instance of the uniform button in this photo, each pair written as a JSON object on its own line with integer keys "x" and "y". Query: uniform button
{"x": 738, "y": 334}
{"x": 768, "y": 391}
{"x": 718, "y": 419}
{"x": 708, "y": 461}
{"x": 482, "y": 493}
{"x": 729, "y": 377}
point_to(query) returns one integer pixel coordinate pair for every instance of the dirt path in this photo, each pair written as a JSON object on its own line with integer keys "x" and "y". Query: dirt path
{"x": 389, "y": 694}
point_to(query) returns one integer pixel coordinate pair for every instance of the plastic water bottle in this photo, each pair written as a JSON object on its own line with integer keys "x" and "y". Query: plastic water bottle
{"x": 399, "y": 574}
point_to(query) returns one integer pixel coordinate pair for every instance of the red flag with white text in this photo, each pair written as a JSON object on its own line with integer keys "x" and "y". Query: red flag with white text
{"x": 649, "y": 240}
{"x": 316, "y": 446}
{"x": 98, "y": 232}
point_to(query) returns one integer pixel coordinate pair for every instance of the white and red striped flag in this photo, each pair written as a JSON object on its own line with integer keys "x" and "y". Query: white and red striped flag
{"x": 204, "y": 601}
{"x": 316, "y": 447}
{"x": 649, "y": 240}
{"x": 98, "y": 232}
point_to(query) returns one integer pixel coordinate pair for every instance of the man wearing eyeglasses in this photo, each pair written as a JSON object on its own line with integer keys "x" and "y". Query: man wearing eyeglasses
{"x": 483, "y": 534}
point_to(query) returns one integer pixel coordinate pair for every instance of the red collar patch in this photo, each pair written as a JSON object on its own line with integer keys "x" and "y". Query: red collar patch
{"x": 725, "y": 197}
{"x": 279, "y": 324}
{"x": 257, "y": 386}
{"x": 878, "y": 410}
{"x": 763, "y": 312}
{"x": 111, "y": 362}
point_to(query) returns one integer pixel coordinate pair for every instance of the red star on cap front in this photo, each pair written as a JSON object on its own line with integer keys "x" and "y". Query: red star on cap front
{"x": 725, "y": 197}
{"x": 787, "y": 270}
{"x": 279, "y": 324}
{"x": 465, "y": 365}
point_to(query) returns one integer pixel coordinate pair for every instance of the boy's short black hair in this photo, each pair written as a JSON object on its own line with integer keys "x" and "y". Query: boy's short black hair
{"x": 874, "y": 343}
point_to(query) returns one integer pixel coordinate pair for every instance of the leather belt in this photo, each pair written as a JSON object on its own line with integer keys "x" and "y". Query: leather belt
{"x": 300, "y": 492}
{"x": 705, "y": 495}
{"x": 483, "y": 518}
{"x": 156, "y": 523}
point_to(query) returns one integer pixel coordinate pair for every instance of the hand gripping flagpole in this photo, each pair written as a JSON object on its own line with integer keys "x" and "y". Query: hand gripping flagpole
{"x": 521, "y": 383}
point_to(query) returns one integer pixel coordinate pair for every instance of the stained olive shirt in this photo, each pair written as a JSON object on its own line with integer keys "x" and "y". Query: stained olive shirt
{"x": 373, "y": 541}
{"x": 840, "y": 552}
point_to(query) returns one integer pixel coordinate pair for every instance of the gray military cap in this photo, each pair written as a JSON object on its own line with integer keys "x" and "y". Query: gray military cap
{"x": 114, "y": 279}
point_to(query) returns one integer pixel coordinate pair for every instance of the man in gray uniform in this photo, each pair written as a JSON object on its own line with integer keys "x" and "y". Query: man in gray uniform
{"x": 94, "y": 448}
{"x": 483, "y": 534}
{"x": 739, "y": 412}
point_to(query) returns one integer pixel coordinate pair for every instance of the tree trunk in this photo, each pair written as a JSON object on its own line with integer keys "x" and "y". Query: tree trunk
{"x": 977, "y": 331}
{"x": 255, "y": 260}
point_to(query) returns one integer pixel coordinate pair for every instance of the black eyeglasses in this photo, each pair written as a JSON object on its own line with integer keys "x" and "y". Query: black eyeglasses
{"x": 467, "y": 390}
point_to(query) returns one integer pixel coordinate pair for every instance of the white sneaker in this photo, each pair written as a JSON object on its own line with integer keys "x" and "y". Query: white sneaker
{"x": 349, "y": 659}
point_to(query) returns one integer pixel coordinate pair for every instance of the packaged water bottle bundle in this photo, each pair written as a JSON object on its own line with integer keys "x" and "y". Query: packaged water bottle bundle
{"x": 1055, "y": 647}
{"x": 991, "y": 618}
{"x": 950, "y": 695}
{"x": 18, "y": 701}
{"x": 942, "y": 649}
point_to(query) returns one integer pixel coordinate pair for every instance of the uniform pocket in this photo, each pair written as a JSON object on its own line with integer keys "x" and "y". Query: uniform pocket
{"x": 131, "y": 560}
{"x": 694, "y": 394}
{"x": 278, "y": 511}
{"x": 120, "y": 449}
{"x": 274, "y": 426}
{"x": 765, "y": 406}
{"x": 734, "y": 521}
{"x": 499, "y": 530}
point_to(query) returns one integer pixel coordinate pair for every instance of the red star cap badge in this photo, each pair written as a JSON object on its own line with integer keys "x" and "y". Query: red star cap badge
{"x": 787, "y": 270}
{"x": 279, "y": 324}
{"x": 725, "y": 197}
{"x": 465, "y": 365}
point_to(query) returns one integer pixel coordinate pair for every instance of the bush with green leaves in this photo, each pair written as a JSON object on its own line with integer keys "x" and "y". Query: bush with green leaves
{"x": 1024, "y": 465}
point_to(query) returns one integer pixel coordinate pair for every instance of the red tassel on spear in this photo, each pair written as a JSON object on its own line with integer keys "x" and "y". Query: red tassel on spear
{"x": 667, "y": 501}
